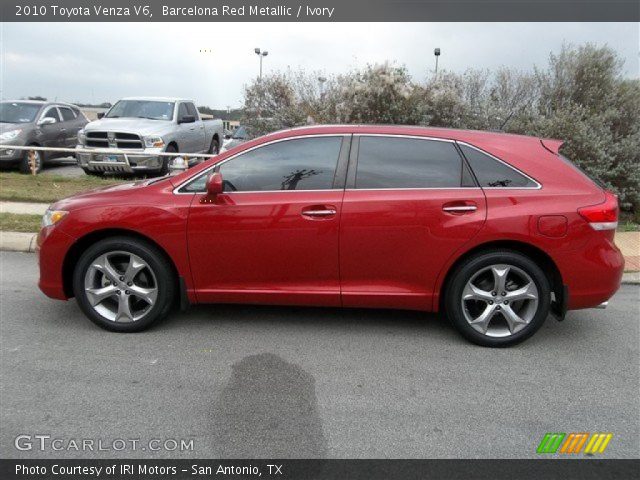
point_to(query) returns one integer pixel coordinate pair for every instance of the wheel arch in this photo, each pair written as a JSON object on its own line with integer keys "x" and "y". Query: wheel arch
{"x": 536, "y": 254}
{"x": 73, "y": 254}
{"x": 174, "y": 144}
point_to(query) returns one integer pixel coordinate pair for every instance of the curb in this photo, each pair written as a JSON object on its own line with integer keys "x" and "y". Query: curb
{"x": 18, "y": 242}
{"x": 26, "y": 242}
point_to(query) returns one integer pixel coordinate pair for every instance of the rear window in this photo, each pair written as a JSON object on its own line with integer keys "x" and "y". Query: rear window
{"x": 492, "y": 173}
{"x": 396, "y": 162}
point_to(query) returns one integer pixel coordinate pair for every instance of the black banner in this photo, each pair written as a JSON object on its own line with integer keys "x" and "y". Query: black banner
{"x": 583, "y": 469}
{"x": 320, "y": 11}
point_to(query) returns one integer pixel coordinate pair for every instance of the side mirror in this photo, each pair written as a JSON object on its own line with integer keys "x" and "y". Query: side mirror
{"x": 187, "y": 119}
{"x": 47, "y": 121}
{"x": 227, "y": 136}
{"x": 100, "y": 115}
{"x": 214, "y": 187}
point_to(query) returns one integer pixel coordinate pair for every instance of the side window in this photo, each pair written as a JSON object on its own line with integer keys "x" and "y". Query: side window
{"x": 191, "y": 110}
{"x": 51, "y": 112}
{"x": 492, "y": 173}
{"x": 182, "y": 110}
{"x": 298, "y": 164}
{"x": 396, "y": 162}
{"x": 67, "y": 114}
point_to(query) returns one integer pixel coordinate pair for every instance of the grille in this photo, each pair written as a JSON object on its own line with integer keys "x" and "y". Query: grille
{"x": 120, "y": 140}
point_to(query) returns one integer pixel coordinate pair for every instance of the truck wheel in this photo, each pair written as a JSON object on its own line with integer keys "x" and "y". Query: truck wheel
{"x": 24, "y": 163}
{"x": 214, "y": 148}
{"x": 167, "y": 160}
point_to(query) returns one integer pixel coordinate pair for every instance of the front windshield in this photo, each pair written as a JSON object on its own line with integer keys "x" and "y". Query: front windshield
{"x": 240, "y": 134}
{"x": 153, "y": 110}
{"x": 18, "y": 112}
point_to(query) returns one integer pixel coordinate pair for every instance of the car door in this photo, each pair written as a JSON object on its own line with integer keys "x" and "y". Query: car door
{"x": 272, "y": 236}
{"x": 50, "y": 134}
{"x": 68, "y": 126}
{"x": 410, "y": 203}
{"x": 200, "y": 143}
{"x": 188, "y": 133}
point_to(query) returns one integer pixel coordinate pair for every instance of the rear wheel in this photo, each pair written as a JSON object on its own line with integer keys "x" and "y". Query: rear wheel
{"x": 214, "y": 148}
{"x": 123, "y": 284}
{"x": 498, "y": 298}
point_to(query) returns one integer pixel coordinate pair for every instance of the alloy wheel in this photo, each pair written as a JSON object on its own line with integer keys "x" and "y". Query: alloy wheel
{"x": 121, "y": 287}
{"x": 500, "y": 300}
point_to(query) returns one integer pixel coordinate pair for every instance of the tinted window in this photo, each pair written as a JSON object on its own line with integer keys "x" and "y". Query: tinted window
{"x": 67, "y": 114}
{"x": 15, "y": 112}
{"x": 492, "y": 173}
{"x": 394, "y": 162}
{"x": 301, "y": 164}
{"x": 51, "y": 112}
{"x": 182, "y": 110}
{"x": 191, "y": 110}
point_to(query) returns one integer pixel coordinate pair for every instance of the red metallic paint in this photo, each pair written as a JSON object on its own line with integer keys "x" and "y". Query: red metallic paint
{"x": 383, "y": 248}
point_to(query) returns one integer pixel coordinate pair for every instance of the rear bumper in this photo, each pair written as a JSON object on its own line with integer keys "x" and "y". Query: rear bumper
{"x": 593, "y": 273}
{"x": 52, "y": 246}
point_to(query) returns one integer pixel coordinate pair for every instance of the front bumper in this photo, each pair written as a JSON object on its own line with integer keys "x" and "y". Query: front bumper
{"x": 52, "y": 246}
{"x": 10, "y": 155}
{"x": 145, "y": 160}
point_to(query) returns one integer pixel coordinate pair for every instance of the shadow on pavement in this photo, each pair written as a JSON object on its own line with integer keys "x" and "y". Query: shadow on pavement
{"x": 268, "y": 409}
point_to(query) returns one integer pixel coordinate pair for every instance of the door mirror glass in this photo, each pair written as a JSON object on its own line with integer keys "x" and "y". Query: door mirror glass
{"x": 47, "y": 121}
{"x": 187, "y": 119}
{"x": 100, "y": 115}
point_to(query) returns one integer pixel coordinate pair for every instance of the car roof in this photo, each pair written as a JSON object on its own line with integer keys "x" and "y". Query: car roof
{"x": 41, "y": 102}
{"x": 159, "y": 99}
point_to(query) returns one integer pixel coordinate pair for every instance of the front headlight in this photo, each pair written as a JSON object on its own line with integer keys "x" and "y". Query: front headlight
{"x": 51, "y": 217}
{"x": 13, "y": 134}
{"x": 81, "y": 137}
{"x": 153, "y": 142}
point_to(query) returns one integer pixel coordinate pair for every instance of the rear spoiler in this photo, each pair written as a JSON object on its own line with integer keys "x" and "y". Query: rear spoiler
{"x": 552, "y": 145}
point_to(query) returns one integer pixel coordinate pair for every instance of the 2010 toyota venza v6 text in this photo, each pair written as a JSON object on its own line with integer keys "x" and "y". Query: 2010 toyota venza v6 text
{"x": 495, "y": 230}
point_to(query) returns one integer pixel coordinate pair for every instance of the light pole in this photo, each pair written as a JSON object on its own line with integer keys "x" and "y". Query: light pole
{"x": 261, "y": 55}
{"x": 436, "y": 52}
{"x": 321, "y": 80}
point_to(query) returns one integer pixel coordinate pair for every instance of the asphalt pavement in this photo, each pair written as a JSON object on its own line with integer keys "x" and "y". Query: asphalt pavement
{"x": 248, "y": 381}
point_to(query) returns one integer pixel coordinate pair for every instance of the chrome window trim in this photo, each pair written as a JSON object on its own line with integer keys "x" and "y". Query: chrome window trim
{"x": 402, "y": 135}
{"x": 538, "y": 184}
{"x": 206, "y": 172}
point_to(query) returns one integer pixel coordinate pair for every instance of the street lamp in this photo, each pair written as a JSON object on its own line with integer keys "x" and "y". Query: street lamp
{"x": 436, "y": 52}
{"x": 261, "y": 55}
{"x": 321, "y": 80}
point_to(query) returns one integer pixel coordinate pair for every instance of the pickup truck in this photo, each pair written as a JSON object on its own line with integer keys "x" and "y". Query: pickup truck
{"x": 147, "y": 125}
{"x": 43, "y": 124}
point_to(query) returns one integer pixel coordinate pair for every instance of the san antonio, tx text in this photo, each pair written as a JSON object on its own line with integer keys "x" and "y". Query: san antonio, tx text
{"x": 141, "y": 469}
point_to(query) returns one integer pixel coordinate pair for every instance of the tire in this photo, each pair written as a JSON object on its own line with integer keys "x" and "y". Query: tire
{"x": 476, "y": 305}
{"x": 214, "y": 148}
{"x": 164, "y": 169}
{"x": 24, "y": 163}
{"x": 113, "y": 284}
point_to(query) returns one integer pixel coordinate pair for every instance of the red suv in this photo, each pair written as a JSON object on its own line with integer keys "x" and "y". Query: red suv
{"x": 495, "y": 230}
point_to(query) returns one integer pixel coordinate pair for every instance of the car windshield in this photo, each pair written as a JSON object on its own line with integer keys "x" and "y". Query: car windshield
{"x": 154, "y": 110}
{"x": 18, "y": 112}
{"x": 240, "y": 134}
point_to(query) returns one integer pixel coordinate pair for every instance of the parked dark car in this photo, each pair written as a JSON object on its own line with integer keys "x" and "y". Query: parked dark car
{"x": 39, "y": 123}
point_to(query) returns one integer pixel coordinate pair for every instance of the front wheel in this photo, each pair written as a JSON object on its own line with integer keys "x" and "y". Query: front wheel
{"x": 123, "y": 284}
{"x": 25, "y": 164}
{"x": 166, "y": 161}
{"x": 498, "y": 298}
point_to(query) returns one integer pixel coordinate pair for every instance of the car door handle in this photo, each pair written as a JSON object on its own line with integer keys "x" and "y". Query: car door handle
{"x": 319, "y": 211}
{"x": 459, "y": 207}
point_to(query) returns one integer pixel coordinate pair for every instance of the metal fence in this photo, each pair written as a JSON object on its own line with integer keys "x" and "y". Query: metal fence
{"x": 108, "y": 151}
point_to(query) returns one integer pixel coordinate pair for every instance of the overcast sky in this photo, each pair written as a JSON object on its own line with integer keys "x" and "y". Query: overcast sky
{"x": 96, "y": 62}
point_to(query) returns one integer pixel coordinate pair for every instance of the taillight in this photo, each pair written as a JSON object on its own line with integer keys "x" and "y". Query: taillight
{"x": 603, "y": 216}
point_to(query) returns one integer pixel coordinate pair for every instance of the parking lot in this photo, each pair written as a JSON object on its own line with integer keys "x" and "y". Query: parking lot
{"x": 245, "y": 381}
